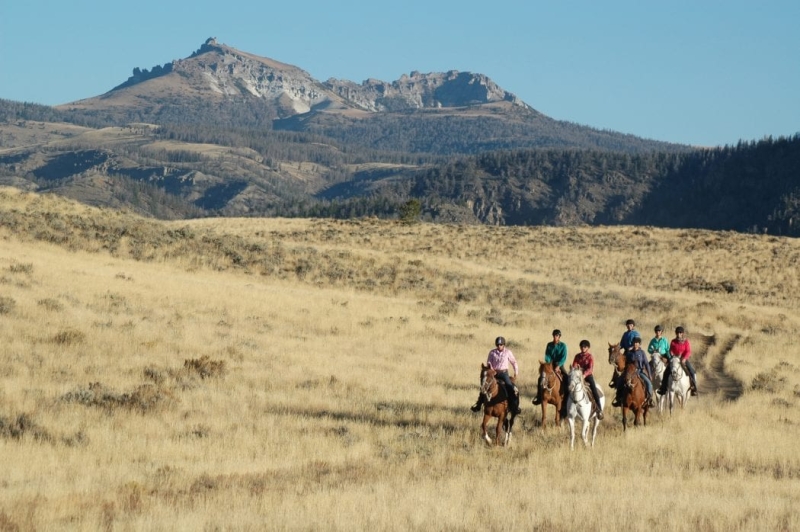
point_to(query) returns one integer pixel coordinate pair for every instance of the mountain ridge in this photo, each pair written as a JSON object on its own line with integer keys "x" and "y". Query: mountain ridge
{"x": 228, "y": 72}
{"x": 228, "y": 133}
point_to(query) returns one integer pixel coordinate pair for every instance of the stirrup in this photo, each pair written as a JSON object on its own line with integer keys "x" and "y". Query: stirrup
{"x": 537, "y": 401}
{"x": 476, "y": 407}
{"x": 616, "y": 403}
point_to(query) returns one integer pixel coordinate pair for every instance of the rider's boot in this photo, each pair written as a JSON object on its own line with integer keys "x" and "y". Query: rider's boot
{"x": 617, "y": 400}
{"x": 538, "y": 399}
{"x": 693, "y": 386}
{"x": 478, "y": 404}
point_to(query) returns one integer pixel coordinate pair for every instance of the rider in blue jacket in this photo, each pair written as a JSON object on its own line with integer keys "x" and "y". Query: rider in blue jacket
{"x": 639, "y": 358}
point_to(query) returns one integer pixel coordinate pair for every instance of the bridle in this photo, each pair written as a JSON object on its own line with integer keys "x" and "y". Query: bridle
{"x": 577, "y": 389}
{"x": 544, "y": 380}
{"x": 676, "y": 372}
{"x": 631, "y": 377}
{"x": 487, "y": 383}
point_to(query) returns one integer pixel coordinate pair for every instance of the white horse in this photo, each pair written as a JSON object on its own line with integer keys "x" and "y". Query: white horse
{"x": 580, "y": 405}
{"x": 679, "y": 384}
{"x": 658, "y": 368}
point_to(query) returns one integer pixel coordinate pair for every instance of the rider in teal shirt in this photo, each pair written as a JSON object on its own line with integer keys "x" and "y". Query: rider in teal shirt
{"x": 659, "y": 345}
{"x": 556, "y": 354}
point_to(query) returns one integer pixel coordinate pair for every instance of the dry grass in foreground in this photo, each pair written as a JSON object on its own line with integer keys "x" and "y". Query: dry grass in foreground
{"x": 297, "y": 374}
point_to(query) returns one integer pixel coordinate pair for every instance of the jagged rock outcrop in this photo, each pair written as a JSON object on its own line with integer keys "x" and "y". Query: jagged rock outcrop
{"x": 219, "y": 71}
{"x": 419, "y": 91}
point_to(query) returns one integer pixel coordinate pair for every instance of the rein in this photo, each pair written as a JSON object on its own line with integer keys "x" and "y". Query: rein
{"x": 545, "y": 380}
{"x": 487, "y": 385}
{"x": 578, "y": 391}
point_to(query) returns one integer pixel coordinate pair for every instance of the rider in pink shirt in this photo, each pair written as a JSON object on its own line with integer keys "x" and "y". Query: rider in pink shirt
{"x": 499, "y": 359}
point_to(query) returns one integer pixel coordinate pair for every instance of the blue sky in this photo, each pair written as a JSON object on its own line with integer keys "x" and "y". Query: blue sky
{"x": 698, "y": 72}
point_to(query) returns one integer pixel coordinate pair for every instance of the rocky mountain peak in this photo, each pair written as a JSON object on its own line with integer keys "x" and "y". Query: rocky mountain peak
{"x": 218, "y": 69}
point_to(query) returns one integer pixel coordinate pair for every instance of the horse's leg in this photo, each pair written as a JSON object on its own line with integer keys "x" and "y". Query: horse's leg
{"x": 585, "y": 427}
{"x": 544, "y": 411}
{"x": 596, "y": 422}
{"x": 509, "y": 426}
{"x": 624, "y": 418}
{"x": 571, "y": 422}
{"x": 558, "y": 405}
{"x": 498, "y": 429}
{"x": 484, "y": 433}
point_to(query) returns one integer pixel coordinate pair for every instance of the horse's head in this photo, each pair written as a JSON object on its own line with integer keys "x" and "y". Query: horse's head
{"x": 656, "y": 362}
{"x": 575, "y": 379}
{"x": 486, "y": 372}
{"x": 613, "y": 353}
{"x": 616, "y": 357}
{"x": 487, "y": 378}
{"x": 630, "y": 375}
{"x": 675, "y": 368}
{"x": 546, "y": 372}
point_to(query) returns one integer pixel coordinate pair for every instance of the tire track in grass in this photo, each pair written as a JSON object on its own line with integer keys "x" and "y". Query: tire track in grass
{"x": 710, "y": 362}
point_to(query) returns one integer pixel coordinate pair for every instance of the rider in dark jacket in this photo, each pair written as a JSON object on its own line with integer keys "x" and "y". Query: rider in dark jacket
{"x": 639, "y": 358}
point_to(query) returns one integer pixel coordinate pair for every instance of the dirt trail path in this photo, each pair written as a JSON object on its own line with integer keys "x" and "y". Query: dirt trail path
{"x": 708, "y": 358}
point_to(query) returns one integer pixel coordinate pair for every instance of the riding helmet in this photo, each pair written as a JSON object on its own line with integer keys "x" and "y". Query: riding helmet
{"x": 658, "y": 328}
{"x": 500, "y": 341}
{"x": 679, "y": 330}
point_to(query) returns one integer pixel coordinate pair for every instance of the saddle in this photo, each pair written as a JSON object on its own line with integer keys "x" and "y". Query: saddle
{"x": 588, "y": 391}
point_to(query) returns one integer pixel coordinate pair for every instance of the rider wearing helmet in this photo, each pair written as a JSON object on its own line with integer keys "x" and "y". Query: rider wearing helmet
{"x": 499, "y": 359}
{"x": 585, "y": 361}
{"x": 626, "y": 342}
{"x": 555, "y": 353}
{"x": 680, "y": 347}
{"x": 637, "y": 356}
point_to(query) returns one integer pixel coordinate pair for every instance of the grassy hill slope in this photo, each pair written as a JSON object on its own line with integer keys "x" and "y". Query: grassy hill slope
{"x": 285, "y": 374}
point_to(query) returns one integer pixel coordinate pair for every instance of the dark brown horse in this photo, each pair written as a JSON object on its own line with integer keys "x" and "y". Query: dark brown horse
{"x": 553, "y": 391}
{"x": 495, "y": 405}
{"x": 633, "y": 396}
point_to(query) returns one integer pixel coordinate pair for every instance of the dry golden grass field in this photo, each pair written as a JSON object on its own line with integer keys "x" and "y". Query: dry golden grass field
{"x": 273, "y": 374}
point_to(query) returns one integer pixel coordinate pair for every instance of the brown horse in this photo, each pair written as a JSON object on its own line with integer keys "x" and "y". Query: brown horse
{"x": 553, "y": 391}
{"x": 616, "y": 358}
{"x": 495, "y": 405}
{"x": 634, "y": 396}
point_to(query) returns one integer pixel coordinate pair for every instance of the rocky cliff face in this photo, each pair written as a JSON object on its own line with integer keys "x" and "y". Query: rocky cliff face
{"x": 419, "y": 91}
{"x": 217, "y": 69}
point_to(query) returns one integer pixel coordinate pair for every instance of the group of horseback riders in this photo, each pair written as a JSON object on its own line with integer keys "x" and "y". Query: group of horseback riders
{"x": 501, "y": 357}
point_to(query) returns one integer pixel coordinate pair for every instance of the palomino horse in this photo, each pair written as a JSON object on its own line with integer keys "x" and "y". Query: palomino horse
{"x": 657, "y": 369}
{"x": 552, "y": 391}
{"x": 495, "y": 405}
{"x": 634, "y": 396}
{"x": 580, "y": 405}
{"x": 679, "y": 384}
